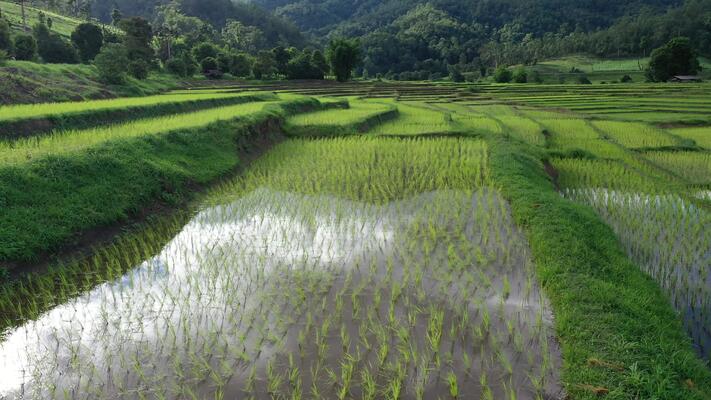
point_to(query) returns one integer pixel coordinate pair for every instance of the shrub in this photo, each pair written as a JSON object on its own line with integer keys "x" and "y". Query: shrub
{"x": 583, "y": 80}
{"x": 520, "y": 76}
{"x": 88, "y": 39}
{"x": 52, "y": 48}
{"x": 240, "y": 65}
{"x": 5, "y": 38}
{"x": 112, "y": 63}
{"x": 191, "y": 67}
{"x": 25, "y": 47}
{"x": 626, "y": 79}
{"x": 209, "y": 64}
{"x": 223, "y": 62}
{"x": 205, "y": 50}
{"x": 3, "y": 57}
{"x": 176, "y": 67}
{"x": 502, "y": 75}
{"x": 536, "y": 77}
{"x": 138, "y": 69}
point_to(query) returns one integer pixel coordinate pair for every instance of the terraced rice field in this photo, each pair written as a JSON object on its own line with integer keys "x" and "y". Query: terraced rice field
{"x": 384, "y": 242}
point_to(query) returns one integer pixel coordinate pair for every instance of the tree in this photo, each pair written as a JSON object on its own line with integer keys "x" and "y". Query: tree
{"x": 264, "y": 65}
{"x": 520, "y": 76}
{"x": 5, "y": 38}
{"x": 243, "y": 38}
{"x": 176, "y": 67}
{"x": 240, "y": 65}
{"x": 343, "y": 56}
{"x": 318, "y": 60}
{"x": 209, "y": 64}
{"x": 282, "y": 58}
{"x": 25, "y": 47}
{"x": 53, "y": 48}
{"x": 137, "y": 40}
{"x": 138, "y": 69}
{"x": 191, "y": 66}
{"x": 205, "y": 50}
{"x": 116, "y": 16}
{"x": 302, "y": 67}
{"x": 677, "y": 57}
{"x": 502, "y": 75}
{"x": 112, "y": 63}
{"x": 88, "y": 39}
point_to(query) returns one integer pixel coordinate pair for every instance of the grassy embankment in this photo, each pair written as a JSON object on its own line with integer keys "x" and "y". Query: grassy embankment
{"x": 28, "y": 82}
{"x": 30, "y": 120}
{"x": 64, "y": 185}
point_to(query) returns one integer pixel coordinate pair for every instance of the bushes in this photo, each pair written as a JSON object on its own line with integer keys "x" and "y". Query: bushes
{"x": 240, "y": 65}
{"x": 112, "y": 63}
{"x": 502, "y": 75}
{"x": 25, "y": 47}
{"x": 5, "y": 39}
{"x": 52, "y": 48}
{"x": 138, "y": 69}
{"x": 176, "y": 67}
{"x": 3, "y": 57}
{"x": 520, "y": 76}
{"x": 87, "y": 38}
{"x": 208, "y": 64}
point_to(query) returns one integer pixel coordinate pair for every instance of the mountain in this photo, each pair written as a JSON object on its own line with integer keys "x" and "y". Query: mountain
{"x": 534, "y": 16}
{"x": 416, "y": 39}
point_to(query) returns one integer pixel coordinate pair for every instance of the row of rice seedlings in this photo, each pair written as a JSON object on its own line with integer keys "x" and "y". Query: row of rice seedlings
{"x": 700, "y": 135}
{"x": 357, "y": 112}
{"x": 411, "y": 167}
{"x": 609, "y": 174}
{"x": 415, "y": 119}
{"x": 671, "y": 241}
{"x": 25, "y": 111}
{"x": 62, "y": 142}
{"x": 694, "y": 167}
{"x": 279, "y": 295}
{"x": 636, "y": 135}
{"x": 524, "y": 129}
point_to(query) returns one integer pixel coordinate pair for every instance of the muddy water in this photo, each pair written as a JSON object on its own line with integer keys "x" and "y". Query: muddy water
{"x": 283, "y": 295}
{"x": 670, "y": 238}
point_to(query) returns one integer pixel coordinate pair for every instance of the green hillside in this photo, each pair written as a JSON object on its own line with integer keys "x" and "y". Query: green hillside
{"x": 61, "y": 24}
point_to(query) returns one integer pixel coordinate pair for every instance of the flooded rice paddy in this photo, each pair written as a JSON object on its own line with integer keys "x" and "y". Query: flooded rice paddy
{"x": 670, "y": 239}
{"x": 284, "y": 294}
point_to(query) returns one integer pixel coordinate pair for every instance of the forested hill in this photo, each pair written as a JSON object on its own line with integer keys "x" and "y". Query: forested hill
{"x": 533, "y": 16}
{"x": 426, "y": 37}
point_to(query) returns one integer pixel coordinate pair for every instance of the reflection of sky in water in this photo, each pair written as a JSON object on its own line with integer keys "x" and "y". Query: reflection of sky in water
{"x": 668, "y": 237}
{"x": 263, "y": 231}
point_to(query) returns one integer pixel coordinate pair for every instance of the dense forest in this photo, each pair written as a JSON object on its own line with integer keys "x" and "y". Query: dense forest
{"x": 422, "y": 39}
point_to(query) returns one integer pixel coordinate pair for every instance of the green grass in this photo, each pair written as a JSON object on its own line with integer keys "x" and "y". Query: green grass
{"x": 61, "y": 24}
{"x": 29, "y": 82}
{"x": 415, "y": 119}
{"x": 357, "y": 112}
{"x": 68, "y": 142}
{"x": 701, "y": 135}
{"x": 43, "y": 110}
{"x": 694, "y": 167}
{"x": 47, "y": 200}
{"x": 617, "y": 329}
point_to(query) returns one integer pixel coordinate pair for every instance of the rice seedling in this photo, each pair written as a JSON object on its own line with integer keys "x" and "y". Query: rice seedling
{"x": 636, "y": 135}
{"x": 44, "y": 110}
{"x": 694, "y": 167}
{"x": 255, "y": 297}
{"x": 701, "y": 135}
{"x": 62, "y": 142}
{"x": 356, "y": 112}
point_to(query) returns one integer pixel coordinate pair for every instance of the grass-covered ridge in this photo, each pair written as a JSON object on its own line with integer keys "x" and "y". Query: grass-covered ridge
{"x": 619, "y": 335}
{"x": 29, "y": 82}
{"x": 49, "y": 199}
